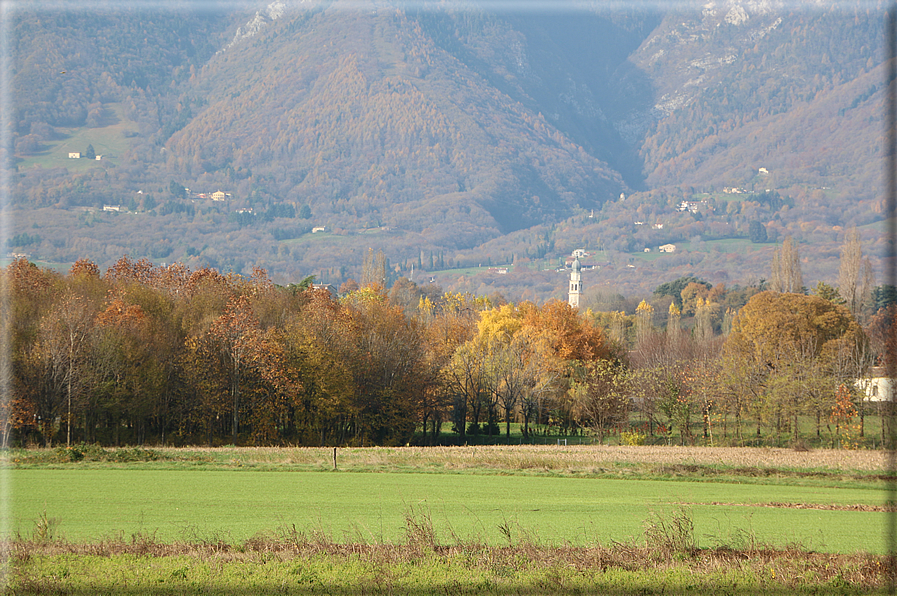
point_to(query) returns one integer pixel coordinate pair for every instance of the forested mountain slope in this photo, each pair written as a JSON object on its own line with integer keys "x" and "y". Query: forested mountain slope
{"x": 70, "y": 64}
{"x": 362, "y": 117}
{"x": 743, "y": 86}
{"x": 457, "y": 135}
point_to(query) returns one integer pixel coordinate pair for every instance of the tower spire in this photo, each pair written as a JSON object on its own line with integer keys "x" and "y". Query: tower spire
{"x": 575, "y": 284}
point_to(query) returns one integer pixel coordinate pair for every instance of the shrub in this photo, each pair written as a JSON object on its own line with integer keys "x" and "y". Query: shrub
{"x": 86, "y": 452}
{"x": 632, "y": 438}
{"x": 673, "y": 535}
{"x": 44, "y": 529}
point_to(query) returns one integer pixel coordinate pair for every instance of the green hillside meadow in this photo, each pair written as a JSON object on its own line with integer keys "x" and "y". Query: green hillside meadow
{"x": 109, "y": 141}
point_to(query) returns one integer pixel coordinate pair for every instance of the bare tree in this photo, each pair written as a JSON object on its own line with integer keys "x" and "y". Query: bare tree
{"x": 851, "y": 367}
{"x": 465, "y": 379}
{"x": 674, "y": 327}
{"x": 64, "y": 334}
{"x": 602, "y": 393}
{"x": 786, "y": 274}
{"x": 867, "y": 301}
{"x": 849, "y": 272}
{"x": 644, "y": 313}
{"x": 704, "y": 321}
{"x": 374, "y": 269}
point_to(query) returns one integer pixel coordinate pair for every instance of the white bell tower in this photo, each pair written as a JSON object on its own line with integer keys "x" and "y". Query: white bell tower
{"x": 575, "y": 284}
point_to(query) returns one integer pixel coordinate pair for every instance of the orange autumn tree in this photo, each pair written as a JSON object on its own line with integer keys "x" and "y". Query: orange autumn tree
{"x": 123, "y": 367}
{"x": 443, "y": 333}
{"x": 29, "y": 294}
{"x": 221, "y": 358}
{"x": 843, "y": 412}
{"x": 313, "y": 343}
{"x": 787, "y": 345}
{"x": 383, "y": 352}
{"x": 573, "y": 342}
{"x": 237, "y": 336}
{"x": 521, "y": 361}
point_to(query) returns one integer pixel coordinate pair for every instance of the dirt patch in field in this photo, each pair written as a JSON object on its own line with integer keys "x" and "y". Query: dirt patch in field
{"x": 816, "y": 506}
{"x": 755, "y": 460}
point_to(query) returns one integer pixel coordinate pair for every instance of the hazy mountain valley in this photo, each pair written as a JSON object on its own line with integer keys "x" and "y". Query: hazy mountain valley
{"x": 475, "y": 148}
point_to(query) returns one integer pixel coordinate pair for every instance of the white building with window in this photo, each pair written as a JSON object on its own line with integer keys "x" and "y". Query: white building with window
{"x": 575, "y": 284}
{"x": 877, "y": 385}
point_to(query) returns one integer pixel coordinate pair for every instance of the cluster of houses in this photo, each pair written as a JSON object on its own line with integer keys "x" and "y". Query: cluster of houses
{"x": 218, "y": 195}
{"x": 664, "y": 248}
{"x": 77, "y": 155}
{"x": 693, "y": 206}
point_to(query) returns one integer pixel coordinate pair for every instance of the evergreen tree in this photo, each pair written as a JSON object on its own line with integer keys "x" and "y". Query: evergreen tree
{"x": 757, "y": 232}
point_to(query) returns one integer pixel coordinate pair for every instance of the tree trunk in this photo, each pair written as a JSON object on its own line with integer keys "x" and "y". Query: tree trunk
{"x": 235, "y": 392}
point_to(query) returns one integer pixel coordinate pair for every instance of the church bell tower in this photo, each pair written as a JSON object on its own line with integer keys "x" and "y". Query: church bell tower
{"x": 575, "y": 284}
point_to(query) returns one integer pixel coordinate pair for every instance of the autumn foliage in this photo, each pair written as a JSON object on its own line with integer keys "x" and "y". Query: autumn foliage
{"x": 164, "y": 354}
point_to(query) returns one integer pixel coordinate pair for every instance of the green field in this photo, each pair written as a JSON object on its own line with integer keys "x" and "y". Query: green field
{"x": 493, "y": 520}
{"x": 369, "y": 502}
{"x": 60, "y": 267}
{"x": 725, "y": 245}
{"x": 319, "y": 568}
{"x": 371, "y": 507}
{"x": 110, "y": 141}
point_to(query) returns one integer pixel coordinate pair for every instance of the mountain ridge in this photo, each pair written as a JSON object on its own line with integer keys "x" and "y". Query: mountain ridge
{"x": 446, "y": 131}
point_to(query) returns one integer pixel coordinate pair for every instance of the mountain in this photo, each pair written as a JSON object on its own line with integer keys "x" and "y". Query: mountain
{"x": 452, "y": 132}
{"x": 743, "y": 86}
{"x": 364, "y": 118}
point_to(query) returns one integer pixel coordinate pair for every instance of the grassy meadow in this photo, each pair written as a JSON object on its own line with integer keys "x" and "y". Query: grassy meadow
{"x": 416, "y": 520}
{"x": 109, "y": 140}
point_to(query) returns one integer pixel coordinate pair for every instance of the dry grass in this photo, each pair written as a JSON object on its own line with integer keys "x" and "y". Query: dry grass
{"x": 663, "y": 550}
{"x": 667, "y": 554}
{"x": 540, "y": 457}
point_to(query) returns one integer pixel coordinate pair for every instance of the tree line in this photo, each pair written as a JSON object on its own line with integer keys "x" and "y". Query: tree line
{"x": 166, "y": 355}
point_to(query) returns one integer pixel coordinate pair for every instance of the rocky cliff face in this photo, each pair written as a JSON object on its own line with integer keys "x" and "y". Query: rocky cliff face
{"x": 729, "y": 67}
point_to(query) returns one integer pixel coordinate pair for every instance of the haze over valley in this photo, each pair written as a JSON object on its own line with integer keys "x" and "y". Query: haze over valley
{"x": 475, "y": 147}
